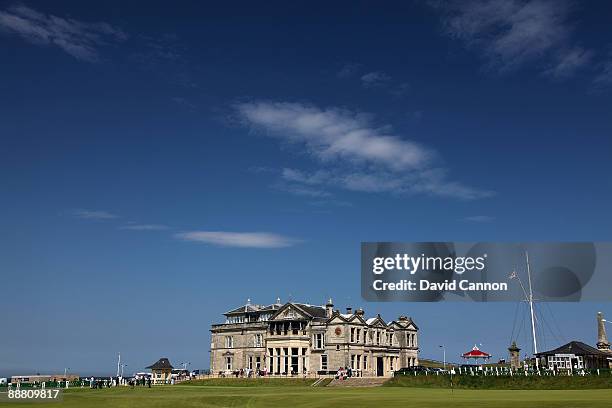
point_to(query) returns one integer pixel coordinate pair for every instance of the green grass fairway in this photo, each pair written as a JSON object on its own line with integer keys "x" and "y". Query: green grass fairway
{"x": 303, "y": 396}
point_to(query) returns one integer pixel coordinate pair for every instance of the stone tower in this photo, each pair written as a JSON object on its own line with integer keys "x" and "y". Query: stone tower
{"x": 515, "y": 359}
{"x": 602, "y": 338}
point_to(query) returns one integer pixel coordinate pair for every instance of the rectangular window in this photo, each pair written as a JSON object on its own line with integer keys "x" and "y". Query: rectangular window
{"x": 259, "y": 340}
{"x": 319, "y": 341}
{"x": 378, "y": 337}
{"x": 229, "y": 342}
{"x": 391, "y": 362}
{"x": 250, "y": 363}
{"x": 228, "y": 363}
{"x": 365, "y": 362}
{"x": 353, "y": 361}
{"x": 324, "y": 362}
{"x": 352, "y": 334}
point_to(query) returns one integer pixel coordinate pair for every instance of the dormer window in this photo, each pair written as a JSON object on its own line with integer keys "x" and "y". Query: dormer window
{"x": 235, "y": 319}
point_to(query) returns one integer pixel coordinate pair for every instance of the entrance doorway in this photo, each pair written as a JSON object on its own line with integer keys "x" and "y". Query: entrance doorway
{"x": 380, "y": 370}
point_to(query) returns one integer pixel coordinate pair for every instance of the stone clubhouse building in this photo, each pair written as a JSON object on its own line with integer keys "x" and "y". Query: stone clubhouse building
{"x": 302, "y": 339}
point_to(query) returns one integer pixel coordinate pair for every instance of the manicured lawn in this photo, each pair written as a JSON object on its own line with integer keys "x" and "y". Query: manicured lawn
{"x": 304, "y": 396}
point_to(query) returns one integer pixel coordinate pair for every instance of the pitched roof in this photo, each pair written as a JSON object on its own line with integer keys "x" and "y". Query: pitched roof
{"x": 162, "y": 363}
{"x": 313, "y": 311}
{"x": 475, "y": 352}
{"x": 249, "y": 308}
{"x": 372, "y": 320}
{"x": 575, "y": 347}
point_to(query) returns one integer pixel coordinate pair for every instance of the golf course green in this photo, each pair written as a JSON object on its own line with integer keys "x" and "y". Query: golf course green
{"x": 296, "y": 396}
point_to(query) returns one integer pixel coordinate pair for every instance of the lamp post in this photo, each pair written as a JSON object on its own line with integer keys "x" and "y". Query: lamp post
{"x": 443, "y": 356}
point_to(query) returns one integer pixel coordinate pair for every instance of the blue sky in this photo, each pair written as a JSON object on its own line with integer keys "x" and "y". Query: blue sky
{"x": 160, "y": 165}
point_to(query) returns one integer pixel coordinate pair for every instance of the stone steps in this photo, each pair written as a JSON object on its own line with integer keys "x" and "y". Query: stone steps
{"x": 359, "y": 382}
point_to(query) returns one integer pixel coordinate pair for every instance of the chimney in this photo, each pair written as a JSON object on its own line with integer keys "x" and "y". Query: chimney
{"x": 602, "y": 338}
{"x": 329, "y": 308}
{"x": 359, "y": 312}
{"x": 349, "y": 310}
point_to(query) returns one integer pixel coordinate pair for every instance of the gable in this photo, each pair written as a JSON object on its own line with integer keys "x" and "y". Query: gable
{"x": 289, "y": 312}
{"x": 337, "y": 319}
{"x": 409, "y": 326}
{"x": 377, "y": 322}
{"x": 357, "y": 319}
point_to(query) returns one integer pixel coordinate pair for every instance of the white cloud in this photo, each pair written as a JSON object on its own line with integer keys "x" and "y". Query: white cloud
{"x": 238, "y": 239}
{"x": 375, "y": 79}
{"x": 77, "y": 38}
{"x": 431, "y": 182}
{"x": 334, "y": 133}
{"x": 93, "y": 214}
{"x": 145, "y": 227}
{"x": 511, "y": 33}
{"x": 356, "y": 155}
{"x": 568, "y": 62}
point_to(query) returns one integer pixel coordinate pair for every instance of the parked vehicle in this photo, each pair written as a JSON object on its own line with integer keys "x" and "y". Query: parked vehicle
{"x": 413, "y": 369}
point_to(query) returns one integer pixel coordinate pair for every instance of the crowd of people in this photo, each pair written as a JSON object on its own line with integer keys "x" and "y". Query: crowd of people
{"x": 95, "y": 383}
{"x": 344, "y": 373}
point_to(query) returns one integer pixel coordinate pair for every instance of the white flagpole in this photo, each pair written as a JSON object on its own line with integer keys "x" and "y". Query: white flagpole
{"x": 533, "y": 331}
{"x": 118, "y": 364}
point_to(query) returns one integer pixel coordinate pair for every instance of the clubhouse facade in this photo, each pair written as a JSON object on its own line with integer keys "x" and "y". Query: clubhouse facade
{"x": 302, "y": 339}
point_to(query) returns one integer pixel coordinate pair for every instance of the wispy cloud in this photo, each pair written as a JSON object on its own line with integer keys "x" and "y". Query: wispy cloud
{"x": 80, "y": 39}
{"x": 568, "y": 62}
{"x": 145, "y": 227}
{"x": 334, "y": 133}
{"x": 356, "y": 155}
{"x": 512, "y": 33}
{"x": 400, "y": 90}
{"x": 179, "y": 100}
{"x": 431, "y": 182}
{"x": 238, "y": 239}
{"x": 604, "y": 78}
{"x": 349, "y": 69}
{"x": 479, "y": 218}
{"x": 375, "y": 79}
{"x": 93, "y": 214}
{"x": 302, "y": 190}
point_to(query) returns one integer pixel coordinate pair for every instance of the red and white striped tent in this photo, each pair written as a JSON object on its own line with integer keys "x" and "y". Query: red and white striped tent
{"x": 475, "y": 353}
